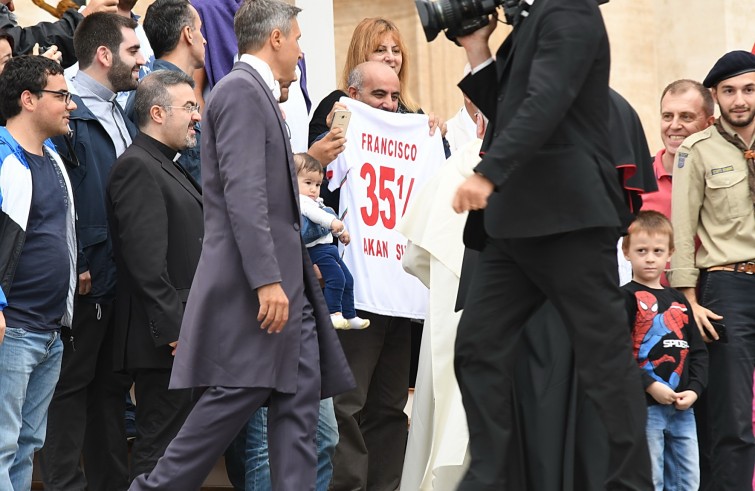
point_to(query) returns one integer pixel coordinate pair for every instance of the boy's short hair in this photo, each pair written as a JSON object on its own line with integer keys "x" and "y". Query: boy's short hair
{"x": 652, "y": 223}
{"x": 306, "y": 163}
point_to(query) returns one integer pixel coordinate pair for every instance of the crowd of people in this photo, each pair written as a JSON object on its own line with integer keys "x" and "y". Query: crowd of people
{"x": 174, "y": 224}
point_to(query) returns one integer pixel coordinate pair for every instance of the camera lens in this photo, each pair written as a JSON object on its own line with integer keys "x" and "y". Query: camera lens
{"x": 430, "y": 18}
{"x": 457, "y": 17}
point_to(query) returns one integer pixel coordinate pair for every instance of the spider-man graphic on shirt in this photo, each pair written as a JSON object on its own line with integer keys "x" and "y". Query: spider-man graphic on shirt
{"x": 659, "y": 342}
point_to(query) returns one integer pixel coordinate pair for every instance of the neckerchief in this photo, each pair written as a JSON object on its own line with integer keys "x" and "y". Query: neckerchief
{"x": 749, "y": 155}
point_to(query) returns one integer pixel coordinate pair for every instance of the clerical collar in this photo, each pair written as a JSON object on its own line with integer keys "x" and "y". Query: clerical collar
{"x": 162, "y": 147}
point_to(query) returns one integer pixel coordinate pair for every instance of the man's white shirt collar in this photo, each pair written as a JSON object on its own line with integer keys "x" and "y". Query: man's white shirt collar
{"x": 265, "y": 72}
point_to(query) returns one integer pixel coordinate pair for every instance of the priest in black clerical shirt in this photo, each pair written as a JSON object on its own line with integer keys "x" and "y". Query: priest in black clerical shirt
{"x": 155, "y": 215}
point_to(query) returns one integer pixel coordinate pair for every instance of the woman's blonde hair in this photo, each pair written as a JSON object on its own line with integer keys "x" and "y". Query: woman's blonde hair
{"x": 366, "y": 38}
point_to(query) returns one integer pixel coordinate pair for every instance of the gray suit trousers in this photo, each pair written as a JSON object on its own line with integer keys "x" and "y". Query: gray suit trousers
{"x": 221, "y": 412}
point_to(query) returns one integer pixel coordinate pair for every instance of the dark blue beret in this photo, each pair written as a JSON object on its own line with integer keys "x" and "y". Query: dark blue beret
{"x": 730, "y": 65}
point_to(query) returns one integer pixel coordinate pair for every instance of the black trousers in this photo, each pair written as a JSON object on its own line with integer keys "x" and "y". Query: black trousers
{"x": 86, "y": 415}
{"x": 552, "y": 407}
{"x": 372, "y": 425}
{"x": 577, "y": 272}
{"x": 727, "y": 444}
{"x": 160, "y": 413}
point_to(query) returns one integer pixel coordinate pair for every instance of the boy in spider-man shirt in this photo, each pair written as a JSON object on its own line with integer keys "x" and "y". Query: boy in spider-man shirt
{"x": 670, "y": 353}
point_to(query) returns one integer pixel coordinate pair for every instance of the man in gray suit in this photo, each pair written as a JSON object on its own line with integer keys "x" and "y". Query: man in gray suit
{"x": 256, "y": 328}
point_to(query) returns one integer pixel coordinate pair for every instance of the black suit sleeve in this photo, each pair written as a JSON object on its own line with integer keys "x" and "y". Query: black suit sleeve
{"x": 482, "y": 90}
{"x": 568, "y": 41}
{"x": 140, "y": 228}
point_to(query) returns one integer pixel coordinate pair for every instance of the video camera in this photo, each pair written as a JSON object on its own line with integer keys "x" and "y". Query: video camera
{"x": 462, "y": 17}
{"x": 456, "y": 17}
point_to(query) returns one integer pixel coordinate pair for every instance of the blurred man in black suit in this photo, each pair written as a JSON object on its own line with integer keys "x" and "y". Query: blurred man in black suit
{"x": 546, "y": 214}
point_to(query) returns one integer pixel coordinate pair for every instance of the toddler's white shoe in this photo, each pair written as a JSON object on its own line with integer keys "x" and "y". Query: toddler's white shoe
{"x": 339, "y": 322}
{"x": 358, "y": 323}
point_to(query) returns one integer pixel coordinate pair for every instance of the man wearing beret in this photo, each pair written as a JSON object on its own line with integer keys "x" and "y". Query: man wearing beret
{"x": 712, "y": 198}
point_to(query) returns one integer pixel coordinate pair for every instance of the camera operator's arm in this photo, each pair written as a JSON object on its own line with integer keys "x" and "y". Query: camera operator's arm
{"x": 476, "y": 44}
{"x": 554, "y": 80}
{"x": 483, "y": 68}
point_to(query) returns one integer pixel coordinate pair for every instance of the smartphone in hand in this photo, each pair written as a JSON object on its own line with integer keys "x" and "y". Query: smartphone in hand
{"x": 341, "y": 119}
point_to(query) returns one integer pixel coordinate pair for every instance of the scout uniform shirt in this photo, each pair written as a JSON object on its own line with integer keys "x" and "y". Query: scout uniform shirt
{"x": 710, "y": 199}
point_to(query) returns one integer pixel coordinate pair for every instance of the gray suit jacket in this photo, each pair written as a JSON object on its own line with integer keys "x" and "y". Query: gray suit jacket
{"x": 251, "y": 223}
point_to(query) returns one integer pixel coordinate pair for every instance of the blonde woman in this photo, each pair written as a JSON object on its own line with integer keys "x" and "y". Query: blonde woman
{"x": 374, "y": 39}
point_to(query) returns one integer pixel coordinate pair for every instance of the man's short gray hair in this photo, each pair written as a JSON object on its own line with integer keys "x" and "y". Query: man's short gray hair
{"x": 256, "y": 19}
{"x": 683, "y": 85}
{"x": 356, "y": 78}
{"x": 153, "y": 91}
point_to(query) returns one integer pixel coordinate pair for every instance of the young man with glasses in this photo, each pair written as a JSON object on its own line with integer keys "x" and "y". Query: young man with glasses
{"x": 155, "y": 215}
{"x": 86, "y": 413}
{"x": 37, "y": 257}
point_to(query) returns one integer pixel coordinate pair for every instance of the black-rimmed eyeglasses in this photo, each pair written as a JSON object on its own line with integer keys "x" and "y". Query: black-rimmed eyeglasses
{"x": 63, "y": 95}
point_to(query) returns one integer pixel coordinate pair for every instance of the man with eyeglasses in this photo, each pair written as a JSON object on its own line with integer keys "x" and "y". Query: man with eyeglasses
{"x": 256, "y": 329}
{"x": 86, "y": 413}
{"x": 155, "y": 216}
{"x": 37, "y": 257}
{"x": 174, "y": 30}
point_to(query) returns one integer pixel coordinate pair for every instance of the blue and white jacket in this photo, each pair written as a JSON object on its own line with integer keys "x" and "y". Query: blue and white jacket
{"x": 15, "y": 204}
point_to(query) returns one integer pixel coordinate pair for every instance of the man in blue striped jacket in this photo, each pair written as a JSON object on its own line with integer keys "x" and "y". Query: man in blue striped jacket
{"x": 37, "y": 257}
